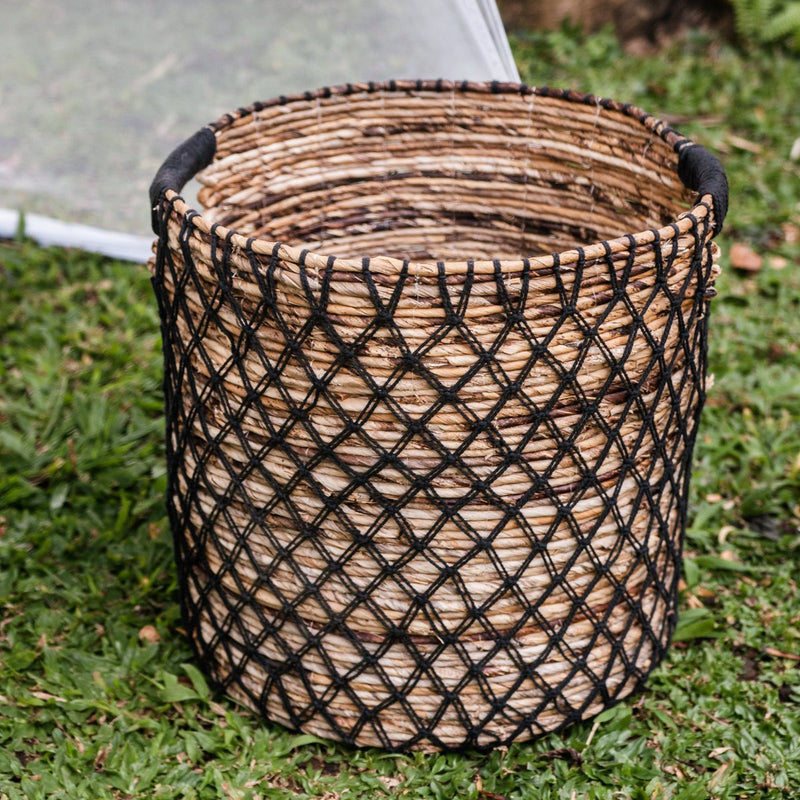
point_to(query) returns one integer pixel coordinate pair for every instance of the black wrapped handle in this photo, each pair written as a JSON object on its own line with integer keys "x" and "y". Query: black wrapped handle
{"x": 181, "y": 165}
{"x": 701, "y": 171}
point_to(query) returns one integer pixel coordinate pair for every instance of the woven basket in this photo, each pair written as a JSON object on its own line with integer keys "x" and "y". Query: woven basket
{"x": 435, "y": 357}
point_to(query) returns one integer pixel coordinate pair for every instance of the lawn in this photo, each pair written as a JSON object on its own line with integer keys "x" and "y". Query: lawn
{"x": 98, "y": 695}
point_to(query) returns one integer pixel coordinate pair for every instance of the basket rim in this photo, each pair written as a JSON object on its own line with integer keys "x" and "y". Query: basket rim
{"x": 703, "y": 208}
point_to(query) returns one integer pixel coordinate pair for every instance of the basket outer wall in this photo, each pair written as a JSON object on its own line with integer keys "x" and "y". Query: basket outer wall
{"x": 431, "y": 504}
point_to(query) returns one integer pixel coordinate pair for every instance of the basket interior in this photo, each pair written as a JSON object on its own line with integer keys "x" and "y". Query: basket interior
{"x": 440, "y": 175}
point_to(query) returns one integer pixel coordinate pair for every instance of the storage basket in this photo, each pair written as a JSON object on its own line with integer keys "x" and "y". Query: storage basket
{"x": 435, "y": 356}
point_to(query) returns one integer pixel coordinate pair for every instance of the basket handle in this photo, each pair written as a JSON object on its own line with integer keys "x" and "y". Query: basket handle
{"x": 182, "y": 164}
{"x": 702, "y": 171}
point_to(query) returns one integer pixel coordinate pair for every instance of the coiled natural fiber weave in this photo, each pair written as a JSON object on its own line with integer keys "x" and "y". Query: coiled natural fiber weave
{"x": 434, "y": 361}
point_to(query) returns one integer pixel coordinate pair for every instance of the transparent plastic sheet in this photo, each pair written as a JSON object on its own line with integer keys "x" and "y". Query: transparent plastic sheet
{"x": 95, "y": 94}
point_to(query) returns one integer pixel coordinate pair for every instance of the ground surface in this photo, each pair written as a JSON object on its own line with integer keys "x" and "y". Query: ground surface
{"x": 98, "y": 697}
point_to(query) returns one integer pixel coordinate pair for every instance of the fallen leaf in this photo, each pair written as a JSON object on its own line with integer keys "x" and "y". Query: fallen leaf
{"x": 791, "y": 232}
{"x": 149, "y": 634}
{"x": 675, "y": 770}
{"x": 100, "y": 757}
{"x": 778, "y": 262}
{"x": 718, "y": 751}
{"x": 483, "y": 794}
{"x": 392, "y": 782}
{"x": 775, "y": 352}
{"x": 724, "y": 532}
{"x": 771, "y": 651}
{"x": 744, "y": 258}
{"x": 740, "y": 143}
{"x": 219, "y": 710}
{"x": 720, "y": 776}
{"x": 48, "y": 696}
{"x": 563, "y": 753}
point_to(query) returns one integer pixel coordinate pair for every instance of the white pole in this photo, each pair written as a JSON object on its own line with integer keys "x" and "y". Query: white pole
{"x": 47, "y": 231}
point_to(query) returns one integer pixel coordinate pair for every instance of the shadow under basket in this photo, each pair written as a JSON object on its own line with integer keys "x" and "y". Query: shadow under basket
{"x": 435, "y": 357}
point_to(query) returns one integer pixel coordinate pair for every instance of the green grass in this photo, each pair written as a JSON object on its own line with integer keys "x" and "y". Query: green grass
{"x": 98, "y": 696}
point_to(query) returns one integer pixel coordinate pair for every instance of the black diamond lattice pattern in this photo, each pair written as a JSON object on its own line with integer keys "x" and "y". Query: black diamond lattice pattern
{"x": 439, "y": 556}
